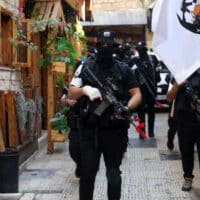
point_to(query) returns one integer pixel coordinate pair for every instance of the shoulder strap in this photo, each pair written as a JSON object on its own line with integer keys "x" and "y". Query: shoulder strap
{"x": 89, "y": 63}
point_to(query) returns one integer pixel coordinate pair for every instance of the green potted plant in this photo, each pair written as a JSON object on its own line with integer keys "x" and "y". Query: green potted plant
{"x": 59, "y": 120}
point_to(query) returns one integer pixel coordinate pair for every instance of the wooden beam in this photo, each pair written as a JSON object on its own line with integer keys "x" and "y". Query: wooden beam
{"x": 12, "y": 124}
{"x": 2, "y": 146}
{"x": 22, "y": 3}
{"x": 36, "y": 10}
{"x": 1, "y": 39}
{"x": 75, "y": 4}
{"x": 43, "y": 9}
{"x": 3, "y": 115}
{"x": 48, "y": 11}
{"x": 47, "y": 0}
{"x": 55, "y": 10}
{"x": 50, "y": 109}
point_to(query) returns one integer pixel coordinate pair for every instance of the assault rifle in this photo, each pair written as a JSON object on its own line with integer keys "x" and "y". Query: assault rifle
{"x": 150, "y": 83}
{"x": 194, "y": 99}
{"x": 109, "y": 99}
{"x": 141, "y": 72}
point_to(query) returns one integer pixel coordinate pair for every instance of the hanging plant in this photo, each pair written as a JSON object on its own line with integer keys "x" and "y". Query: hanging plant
{"x": 71, "y": 27}
{"x": 64, "y": 51}
{"x": 58, "y": 49}
{"x": 59, "y": 121}
{"x": 21, "y": 38}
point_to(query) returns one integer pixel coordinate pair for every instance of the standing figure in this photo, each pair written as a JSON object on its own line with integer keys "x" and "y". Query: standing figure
{"x": 187, "y": 112}
{"x": 73, "y": 118}
{"x": 106, "y": 133}
{"x": 172, "y": 123}
{"x": 147, "y": 71}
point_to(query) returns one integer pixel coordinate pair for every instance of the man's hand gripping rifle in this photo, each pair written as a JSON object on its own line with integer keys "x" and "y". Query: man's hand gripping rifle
{"x": 109, "y": 99}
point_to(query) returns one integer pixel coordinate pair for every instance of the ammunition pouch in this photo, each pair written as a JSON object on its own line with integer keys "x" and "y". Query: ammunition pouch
{"x": 73, "y": 121}
{"x": 88, "y": 118}
{"x": 108, "y": 121}
{"x": 92, "y": 121}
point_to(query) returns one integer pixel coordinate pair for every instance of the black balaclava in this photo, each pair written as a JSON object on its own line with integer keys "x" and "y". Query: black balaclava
{"x": 143, "y": 53}
{"x": 105, "y": 52}
{"x": 142, "y": 49}
{"x": 121, "y": 51}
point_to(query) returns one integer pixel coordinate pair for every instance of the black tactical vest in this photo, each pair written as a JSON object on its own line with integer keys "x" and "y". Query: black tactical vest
{"x": 183, "y": 107}
{"x": 146, "y": 74}
{"x": 114, "y": 74}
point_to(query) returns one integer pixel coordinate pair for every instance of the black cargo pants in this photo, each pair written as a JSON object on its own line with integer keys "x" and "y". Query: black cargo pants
{"x": 74, "y": 145}
{"x": 172, "y": 123}
{"x": 188, "y": 136}
{"x": 112, "y": 143}
{"x": 147, "y": 106}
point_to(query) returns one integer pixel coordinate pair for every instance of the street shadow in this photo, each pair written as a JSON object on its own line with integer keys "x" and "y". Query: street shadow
{"x": 140, "y": 143}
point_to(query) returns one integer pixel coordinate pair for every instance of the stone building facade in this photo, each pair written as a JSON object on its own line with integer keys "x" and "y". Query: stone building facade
{"x": 116, "y": 4}
{"x": 128, "y": 18}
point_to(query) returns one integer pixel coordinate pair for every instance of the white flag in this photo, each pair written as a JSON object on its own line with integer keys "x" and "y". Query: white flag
{"x": 156, "y": 14}
{"x": 177, "y": 37}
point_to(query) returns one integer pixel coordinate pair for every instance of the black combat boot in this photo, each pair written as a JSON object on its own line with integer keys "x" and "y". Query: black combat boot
{"x": 170, "y": 144}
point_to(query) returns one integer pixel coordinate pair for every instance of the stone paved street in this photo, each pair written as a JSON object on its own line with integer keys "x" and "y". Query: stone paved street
{"x": 150, "y": 172}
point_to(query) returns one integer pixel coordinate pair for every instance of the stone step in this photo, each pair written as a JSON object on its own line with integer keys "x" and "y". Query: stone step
{"x": 10, "y": 196}
{"x": 28, "y": 196}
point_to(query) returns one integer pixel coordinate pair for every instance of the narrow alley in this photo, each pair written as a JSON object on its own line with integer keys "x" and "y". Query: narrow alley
{"x": 150, "y": 172}
{"x": 90, "y": 64}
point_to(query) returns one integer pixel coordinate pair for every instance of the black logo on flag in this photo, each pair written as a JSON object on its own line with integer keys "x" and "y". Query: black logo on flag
{"x": 190, "y": 15}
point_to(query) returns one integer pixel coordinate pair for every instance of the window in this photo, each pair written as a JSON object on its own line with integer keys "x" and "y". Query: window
{"x": 9, "y": 56}
{"x": 22, "y": 54}
{"x": 5, "y": 34}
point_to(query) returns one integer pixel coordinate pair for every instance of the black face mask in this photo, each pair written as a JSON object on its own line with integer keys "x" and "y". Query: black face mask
{"x": 105, "y": 54}
{"x": 143, "y": 53}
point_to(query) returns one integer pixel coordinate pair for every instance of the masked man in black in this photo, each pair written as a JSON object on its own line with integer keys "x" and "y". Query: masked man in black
{"x": 187, "y": 114}
{"x": 147, "y": 71}
{"x": 106, "y": 134}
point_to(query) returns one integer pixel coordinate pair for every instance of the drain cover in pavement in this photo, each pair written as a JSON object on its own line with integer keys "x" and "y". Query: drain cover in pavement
{"x": 37, "y": 173}
{"x": 166, "y": 155}
{"x": 138, "y": 143}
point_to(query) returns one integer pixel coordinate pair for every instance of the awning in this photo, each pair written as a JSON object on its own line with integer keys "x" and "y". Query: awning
{"x": 121, "y": 17}
{"x": 77, "y": 5}
{"x": 47, "y": 10}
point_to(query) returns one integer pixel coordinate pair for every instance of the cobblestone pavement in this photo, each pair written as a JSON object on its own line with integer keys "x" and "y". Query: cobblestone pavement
{"x": 150, "y": 172}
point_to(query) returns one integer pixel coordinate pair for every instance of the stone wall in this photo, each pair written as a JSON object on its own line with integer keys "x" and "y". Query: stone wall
{"x": 9, "y": 4}
{"x": 10, "y": 79}
{"x": 115, "y": 4}
{"x": 120, "y": 4}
